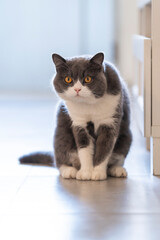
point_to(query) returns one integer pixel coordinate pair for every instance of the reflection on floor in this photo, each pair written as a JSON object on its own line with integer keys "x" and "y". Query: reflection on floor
{"x": 35, "y": 203}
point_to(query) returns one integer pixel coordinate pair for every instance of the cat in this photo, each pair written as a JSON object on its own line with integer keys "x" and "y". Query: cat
{"x": 92, "y": 136}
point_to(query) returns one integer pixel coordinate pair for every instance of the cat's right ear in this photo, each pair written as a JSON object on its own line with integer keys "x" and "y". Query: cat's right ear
{"x": 58, "y": 60}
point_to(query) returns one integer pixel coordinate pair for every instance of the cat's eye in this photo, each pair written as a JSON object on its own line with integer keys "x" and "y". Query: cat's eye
{"x": 68, "y": 79}
{"x": 88, "y": 79}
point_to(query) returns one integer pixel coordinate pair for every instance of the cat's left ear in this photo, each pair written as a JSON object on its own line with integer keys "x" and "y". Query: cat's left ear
{"x": 98, "y": 58}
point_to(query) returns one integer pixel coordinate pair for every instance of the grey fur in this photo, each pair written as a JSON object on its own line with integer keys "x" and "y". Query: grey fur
{"x": 81, "y": 137}
{"x": 113, "y": 79}
{"x": 38, "y": 158}
{"x": 64, "y": 141}
{"x": 90, "y": 129}
{"x": 104, "y": 143}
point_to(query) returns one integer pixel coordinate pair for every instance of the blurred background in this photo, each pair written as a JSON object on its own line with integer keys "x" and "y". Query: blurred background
{"x": 31, "y": 30}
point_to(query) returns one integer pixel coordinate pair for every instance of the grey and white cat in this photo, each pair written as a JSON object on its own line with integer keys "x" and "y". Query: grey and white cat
{"x": 92, "y": 137}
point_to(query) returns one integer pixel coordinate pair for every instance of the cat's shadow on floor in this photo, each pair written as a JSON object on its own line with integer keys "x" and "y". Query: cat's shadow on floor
{"x": 95, "y": 192}
{"x": 96, "y": 200}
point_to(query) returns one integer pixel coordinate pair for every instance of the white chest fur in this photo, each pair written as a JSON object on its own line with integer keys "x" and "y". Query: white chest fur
{"x": 99, "y": 113}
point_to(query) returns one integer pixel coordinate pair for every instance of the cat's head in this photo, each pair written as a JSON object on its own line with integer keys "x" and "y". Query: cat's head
{"x": 80, "y": 79}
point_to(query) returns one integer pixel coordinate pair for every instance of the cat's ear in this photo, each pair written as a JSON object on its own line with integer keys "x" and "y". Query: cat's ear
{"x": 98, "y": 58}
{"x": 58, "y": 60}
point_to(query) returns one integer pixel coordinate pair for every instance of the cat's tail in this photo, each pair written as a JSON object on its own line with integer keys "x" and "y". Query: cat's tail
{"x": 38, "y": 158}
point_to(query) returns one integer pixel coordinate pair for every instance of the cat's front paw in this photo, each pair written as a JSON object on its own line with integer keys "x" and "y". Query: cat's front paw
{"x": 117, "y": 171}
{"x": 69, "y": 172}
{"x": 98, "y": 174}
{"x": 84, "y": 174}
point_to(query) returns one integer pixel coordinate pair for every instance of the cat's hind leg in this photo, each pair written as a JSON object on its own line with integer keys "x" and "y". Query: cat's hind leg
{"x": 120, "y": 151}
{"x": 115, "y": 166}
{"x": 117, "y": 171}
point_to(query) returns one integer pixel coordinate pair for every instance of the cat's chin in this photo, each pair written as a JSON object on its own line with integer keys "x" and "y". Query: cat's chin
{"x": 83, "y": 100}
{"x": 78, "y": 99}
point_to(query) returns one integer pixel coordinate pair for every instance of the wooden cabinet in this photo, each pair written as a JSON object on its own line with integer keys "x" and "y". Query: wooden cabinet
{"x": 146, "y": 49}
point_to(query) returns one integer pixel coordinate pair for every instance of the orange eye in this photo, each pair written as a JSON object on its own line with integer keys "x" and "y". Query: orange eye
{"x": 68, "y": 79}
{"x": 88, "y": 79}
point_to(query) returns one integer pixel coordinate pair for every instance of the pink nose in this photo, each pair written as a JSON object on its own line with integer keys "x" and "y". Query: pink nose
{"x": 77, "y": 90}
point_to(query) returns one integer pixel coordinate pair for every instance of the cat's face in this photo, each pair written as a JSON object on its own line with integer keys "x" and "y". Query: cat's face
{"x": 80, "y": 79}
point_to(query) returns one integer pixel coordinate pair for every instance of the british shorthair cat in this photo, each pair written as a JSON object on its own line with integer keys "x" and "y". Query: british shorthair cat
{"x": 92, "y": 136}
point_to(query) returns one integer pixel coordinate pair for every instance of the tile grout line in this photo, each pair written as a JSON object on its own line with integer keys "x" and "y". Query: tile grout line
{"x": 23, "y": 181}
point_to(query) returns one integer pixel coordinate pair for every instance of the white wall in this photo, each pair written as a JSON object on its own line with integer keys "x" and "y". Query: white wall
{"x": 101, "y": 27}
{"x": 127, "y": 25}
{"x": 31, "y": 30}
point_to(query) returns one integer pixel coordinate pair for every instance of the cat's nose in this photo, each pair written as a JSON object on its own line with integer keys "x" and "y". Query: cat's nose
{"x": 77, "y": 90}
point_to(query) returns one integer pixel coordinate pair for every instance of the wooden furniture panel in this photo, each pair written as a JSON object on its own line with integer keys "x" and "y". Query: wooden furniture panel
{"x": 142, "y": 53}
{"x": 147, "y": 54}
{"x": 156, "y": 63}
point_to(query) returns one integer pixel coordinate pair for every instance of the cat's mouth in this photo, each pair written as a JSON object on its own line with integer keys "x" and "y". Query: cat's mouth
{"x": 77, "y": 95}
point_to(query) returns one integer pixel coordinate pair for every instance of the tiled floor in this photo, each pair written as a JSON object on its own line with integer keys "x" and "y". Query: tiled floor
{"x": 35, "y": 203}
